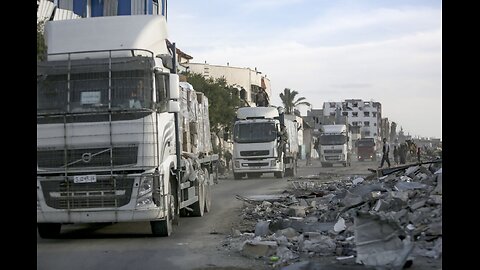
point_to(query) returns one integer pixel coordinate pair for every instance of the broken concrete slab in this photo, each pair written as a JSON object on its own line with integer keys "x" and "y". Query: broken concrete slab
{"x": 256, "y": 248}
{"x": 340, "y": 225}
{"x": 287, "y": 232}
{"x": 379, "y": 242}
{"x": 323, "y": 245}
{"x": 438, "y": 188}
{"x": 261, "y": 228}
{"x": 300, "y": 226}
{"x": 358, "y": 180}
{"x": 402, "y": 186}
{"x": 297, "y": 211}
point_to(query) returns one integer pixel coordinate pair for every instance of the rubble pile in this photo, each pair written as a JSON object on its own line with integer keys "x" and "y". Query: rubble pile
{"x": 382, "y": 222}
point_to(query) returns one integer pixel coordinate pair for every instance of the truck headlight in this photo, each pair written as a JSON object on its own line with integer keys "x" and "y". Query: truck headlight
{"x": 237, "y": 164}
{"x": 146, "y": 185}
{"x": 273, "y": 163}
{"x": 38, "y": 203}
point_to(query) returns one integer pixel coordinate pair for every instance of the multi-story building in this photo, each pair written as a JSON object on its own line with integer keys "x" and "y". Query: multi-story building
{"x": 247, "y": 80}
{"x": 364, "y": 117}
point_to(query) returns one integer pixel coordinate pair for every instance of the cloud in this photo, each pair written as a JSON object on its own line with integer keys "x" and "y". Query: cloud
{"x": 393, "y": 56}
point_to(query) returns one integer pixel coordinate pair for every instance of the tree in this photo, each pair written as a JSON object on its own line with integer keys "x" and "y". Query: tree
{"x": 41, "y": 46}
{"x": 223, "y": 100}
{"x": 289, "y": 102}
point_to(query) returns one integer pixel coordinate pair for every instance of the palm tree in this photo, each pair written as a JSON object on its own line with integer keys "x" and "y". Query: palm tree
{"x": 289, "y": 102}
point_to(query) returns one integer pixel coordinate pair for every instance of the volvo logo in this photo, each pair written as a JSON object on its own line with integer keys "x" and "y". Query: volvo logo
{"x": 86, "y": 157}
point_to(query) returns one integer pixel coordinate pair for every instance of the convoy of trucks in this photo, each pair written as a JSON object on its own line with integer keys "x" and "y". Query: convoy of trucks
{"x": 258, "y": 146}
{"x": 100, "y": 157}
{"x": 335, "y": 145}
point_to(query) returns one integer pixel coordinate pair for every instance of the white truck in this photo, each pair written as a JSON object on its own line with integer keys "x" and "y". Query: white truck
{"x": 256, "y": 143}
{"x": 98, "y": 158}
{"x": 335, "y": 145}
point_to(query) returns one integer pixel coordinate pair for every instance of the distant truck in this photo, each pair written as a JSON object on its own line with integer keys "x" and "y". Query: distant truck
{"x": 366, "y": 149}
{"x": 256, "y": 143}
{"x": 118, "y": 138}
{"x": 335, "y": 145}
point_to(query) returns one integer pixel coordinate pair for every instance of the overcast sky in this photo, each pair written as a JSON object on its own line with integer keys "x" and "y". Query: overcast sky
{"x": 327, "y": 50}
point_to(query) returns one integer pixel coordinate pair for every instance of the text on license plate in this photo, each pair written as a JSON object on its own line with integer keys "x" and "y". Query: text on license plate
{"x": 91, "y": 178}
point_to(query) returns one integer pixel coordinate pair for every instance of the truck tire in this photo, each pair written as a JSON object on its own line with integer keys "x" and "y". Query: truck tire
{"x": 280, "y": 174}
{"x": 199, "y": 206}
{"x": 49, "y": 230}
{"x": 165, "y": 227}
{"x": 237, "y": 176}
{"x": 208, "y": 198}
{"x": 208, "y": 190}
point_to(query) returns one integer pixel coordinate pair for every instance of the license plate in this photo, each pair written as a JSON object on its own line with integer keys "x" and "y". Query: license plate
{"x": 85, "y": 179}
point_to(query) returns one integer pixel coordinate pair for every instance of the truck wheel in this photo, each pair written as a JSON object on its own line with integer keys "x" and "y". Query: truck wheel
{"x": 237, "y": 176}
{"x": 49, "y": 230}
{"x": 165, "y": 227}
{"x": 199, "y": 206}
{"x": 280, "y": 174}
{"x": 208, "y": 198}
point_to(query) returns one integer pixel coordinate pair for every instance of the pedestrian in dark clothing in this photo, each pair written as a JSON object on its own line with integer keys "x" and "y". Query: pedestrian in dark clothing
{"x": 396, "y": 154}
{"x": 261, "y": 98}
{"x": 418, "y": 154}
{"x": 403, "y": 153}
{"x": 385, "y": 150}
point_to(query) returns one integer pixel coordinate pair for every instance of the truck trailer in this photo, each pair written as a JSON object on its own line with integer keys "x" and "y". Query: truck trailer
{"x": 118, "y": 139}
{"x": 257, "y": 143}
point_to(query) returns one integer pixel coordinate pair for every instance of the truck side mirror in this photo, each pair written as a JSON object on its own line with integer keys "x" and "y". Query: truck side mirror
{"x": 174, "y": 89}
{"x": 173, "y": 106}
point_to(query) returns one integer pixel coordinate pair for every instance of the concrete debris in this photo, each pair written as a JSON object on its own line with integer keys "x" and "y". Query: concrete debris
{"x": 383, "y": 222}
{"x": 358, "y": 180}
{"x": 379, "y": 242}
{"x": 257, "y": 248}
{"x": 340, "y": 225}
{"x": 402, "y": 186}
{"x": 261, "y": 229}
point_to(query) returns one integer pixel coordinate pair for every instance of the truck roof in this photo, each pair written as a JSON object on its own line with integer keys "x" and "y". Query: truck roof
{"x": 337, "y": 129}
{"x": 147, "y": 32}
{"x": 257, "y": 112}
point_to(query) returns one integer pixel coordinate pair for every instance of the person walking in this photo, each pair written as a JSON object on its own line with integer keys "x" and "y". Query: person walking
{"x": 418, "y": 154}
{"x": 403, "y": 153}
{"x": 385, "y": 150}
{"x": 396, "y": 154}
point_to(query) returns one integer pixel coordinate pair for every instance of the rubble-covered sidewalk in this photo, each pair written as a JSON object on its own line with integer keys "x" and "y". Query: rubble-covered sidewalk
{"x": 372, "y": 222}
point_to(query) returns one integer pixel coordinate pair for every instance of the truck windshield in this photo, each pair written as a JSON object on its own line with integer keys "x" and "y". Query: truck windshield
{"x": 86, "y": 86}
{"x": 254, "y": 132}
{"x": 333, "y": 139}
{"x": 365, "y": 143}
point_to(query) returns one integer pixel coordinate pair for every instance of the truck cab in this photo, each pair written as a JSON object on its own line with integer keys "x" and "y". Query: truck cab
{"x": 335, "y": 145}
{"x": 256, "y": 143}
{"x": 366, "y": 149}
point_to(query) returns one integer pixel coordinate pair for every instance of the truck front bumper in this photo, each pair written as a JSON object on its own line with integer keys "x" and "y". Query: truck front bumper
{"x": 256, "y": 165}
{"x": 92, "y": 216}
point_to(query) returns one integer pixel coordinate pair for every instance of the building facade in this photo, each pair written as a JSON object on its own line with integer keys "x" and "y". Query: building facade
{"x": 250, "y": 80}
{"x": 364, "y": 117}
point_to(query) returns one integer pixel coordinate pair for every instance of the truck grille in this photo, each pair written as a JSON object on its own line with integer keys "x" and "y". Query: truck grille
{"x": 332, "y": 157}
{"x": 332, "y": 151}
{"x": 257, "y": 164}
{"x": 254, "y": 153}
{"x": 100, "y": 157}
{"x": 107, "y": 192}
